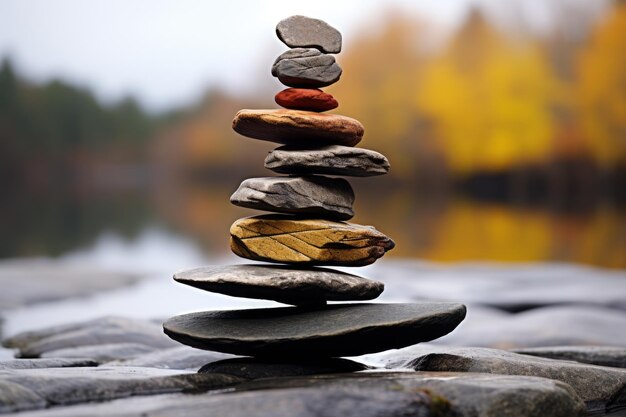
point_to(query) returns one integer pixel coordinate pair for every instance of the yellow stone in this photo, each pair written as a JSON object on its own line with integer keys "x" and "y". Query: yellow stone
{"x": 288, "y": 239}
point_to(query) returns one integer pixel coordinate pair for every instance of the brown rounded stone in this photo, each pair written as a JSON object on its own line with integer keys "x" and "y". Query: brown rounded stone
{"x": 296, "y": 127}
{"x": 311, "y": 99}
{"x": 292, "y": 240}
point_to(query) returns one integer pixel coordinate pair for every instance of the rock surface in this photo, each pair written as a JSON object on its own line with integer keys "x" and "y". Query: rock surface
{"x": 306, "y": 68}
{"x": 35, "y": 389}
{"x": 46, "y": 363}
{"x": 333, "y": 160}
{"x": 594, "y": 355}
{"x": 315, "y": 196}
{"x": 281, "y": 283}
{"x": 308, "y": 99}
{"x": 296, "y": 127}
{"x": 603, "y": 389}
{"x": 102, "y": 352}
{"x": 328, "y": 331}
{"x": 105, "y": 330}
{"x": 286, "y": 239}
{"x": 253, "y": 368}
{"x": 304, "y": 32}
{"x": 357, "y": 395}
{"x": 181, "y": 357}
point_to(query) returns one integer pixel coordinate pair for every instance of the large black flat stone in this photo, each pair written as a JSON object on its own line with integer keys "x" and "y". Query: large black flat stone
{"x": 329, "y": 331}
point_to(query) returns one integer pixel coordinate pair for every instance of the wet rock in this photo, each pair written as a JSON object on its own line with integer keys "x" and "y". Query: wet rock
{"x": 46, "y": 363}
{"x": 308, "y": 99}
{"x": 254, "y": 368}
{"x": 181, "y": 357}
{"x": 281, "y": 283}
{"x": 358, "y": 395}
{"x": 332, "y": 160}
{"x": 105, "y": 330}
{"x": 595, "y": 355}
{"x": 296, "y": 127}
{"x": 32, "y": 389}
{"x": 288, "y": 239}
{"x": 305, "y": 32}
{"x": 326, "y": 331}
{"x": 306, "y": 68}
{"x": 101, "y": 353}
{"x": 314, "y": 196}
{"x": 603, "y": 389}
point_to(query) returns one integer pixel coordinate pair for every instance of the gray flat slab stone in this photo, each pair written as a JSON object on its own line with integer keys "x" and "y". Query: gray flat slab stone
{"x": 317, "y": 196}
{"x": 603, "y": 389}
{"x": 39, "y": 388}
{"x": 331, "y": 160}
{"x": 106, "y": 330}
{"x": 612, "y": 356}
{"x": 306, "y": 68}
{"x": 304, "y": 32}
{"x": 328, "y": 331}
{"x": 101, "y": 353}
{"x": 181, "y": 357}
{"x": 285, "y": 284}
{"x": 357, "y": 395}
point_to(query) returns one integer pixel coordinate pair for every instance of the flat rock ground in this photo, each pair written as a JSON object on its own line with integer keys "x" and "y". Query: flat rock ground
{"x": 538, "y": 340}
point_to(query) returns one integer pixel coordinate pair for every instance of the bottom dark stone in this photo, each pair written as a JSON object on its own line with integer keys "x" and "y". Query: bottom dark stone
{"x": 316, "y": 332}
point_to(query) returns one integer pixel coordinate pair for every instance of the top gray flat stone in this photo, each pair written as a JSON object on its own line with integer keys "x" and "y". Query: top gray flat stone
{"x": 284, "y": 284}
{"x": 325, "y": 331}
{"x": 305, "y": 32}
{"x": 333, "y": 160}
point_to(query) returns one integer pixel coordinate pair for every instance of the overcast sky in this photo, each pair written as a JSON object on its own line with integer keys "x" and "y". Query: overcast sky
{"x": 168, "y": 52}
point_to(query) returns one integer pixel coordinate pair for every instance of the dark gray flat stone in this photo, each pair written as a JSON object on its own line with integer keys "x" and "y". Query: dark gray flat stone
{"x": 595, "y": 355}
{"x": 603, "y": 389}
{"x": 329, "y": 198}
{"x": 306, "y": 68}
{"x": 357, "y": 395}
{"x": 101, "y": 353}
{"x": 39, "y": 388}
{"x": 329, "y": 331}
{"x": 253, "y": 368}
{"x": 46, "y": 363}
{"x": 285, "y": 284}
{"x": 104, "y": 330}
{"x": 181, "y": 357}
{"x": 304, "y": 32}
{"x": 332, "y": 160}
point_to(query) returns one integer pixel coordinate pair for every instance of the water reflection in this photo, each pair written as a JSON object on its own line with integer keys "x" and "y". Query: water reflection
{"x": 433, "y": 226}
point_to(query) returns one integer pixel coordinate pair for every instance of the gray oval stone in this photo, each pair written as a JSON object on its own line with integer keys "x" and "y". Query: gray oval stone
{"x": 307, "y": 68}
{"x": 329, "y": 198}
{"x": 304, "y": 32}
{"x": 329, "y": 331}
{"x": 333, "y": 160}
{"x": 284, "y": 284}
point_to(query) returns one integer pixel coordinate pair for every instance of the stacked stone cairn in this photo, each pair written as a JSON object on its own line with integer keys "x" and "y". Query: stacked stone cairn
{"x": 307, "y": 231}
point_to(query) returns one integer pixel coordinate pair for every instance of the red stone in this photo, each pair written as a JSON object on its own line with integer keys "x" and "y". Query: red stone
{"x": 310, "y": 99}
